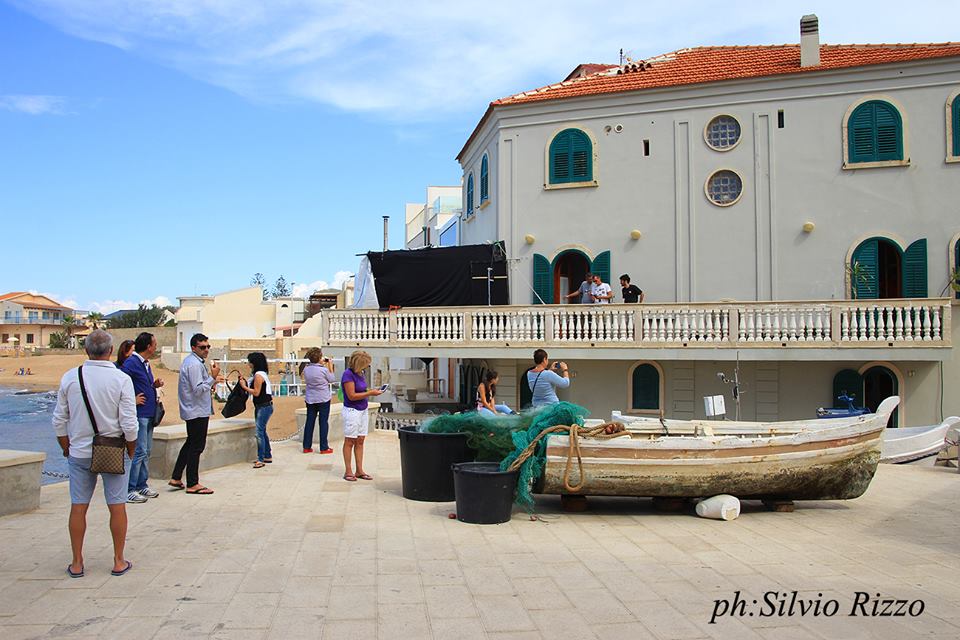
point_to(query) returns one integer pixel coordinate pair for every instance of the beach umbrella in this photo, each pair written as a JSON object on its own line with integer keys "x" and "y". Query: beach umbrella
{"x": 13, "y": 339}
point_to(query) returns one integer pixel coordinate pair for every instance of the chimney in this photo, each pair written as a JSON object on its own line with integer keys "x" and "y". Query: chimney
{"x": 386, "y": 232}
{"x": 809, "y": 41}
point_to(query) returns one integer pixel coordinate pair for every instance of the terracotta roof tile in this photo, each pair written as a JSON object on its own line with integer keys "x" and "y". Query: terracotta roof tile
{"x": 714, "y": 64}
{"x": 701, "y": 65}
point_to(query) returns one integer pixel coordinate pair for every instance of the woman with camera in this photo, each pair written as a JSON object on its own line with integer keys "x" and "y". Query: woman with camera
{"x": 544, "y": 380}
{"x": 317, "y": 377}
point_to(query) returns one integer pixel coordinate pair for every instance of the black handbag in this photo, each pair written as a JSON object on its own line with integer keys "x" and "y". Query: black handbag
{"x": 236, "y": 401}
{"x": 158, "y": 416}
{"x": 107, "y": 450}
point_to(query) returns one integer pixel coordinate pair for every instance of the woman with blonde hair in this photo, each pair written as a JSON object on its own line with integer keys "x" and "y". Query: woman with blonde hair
{"x": 355, "y": 419}
{"x": 317, "y": 377}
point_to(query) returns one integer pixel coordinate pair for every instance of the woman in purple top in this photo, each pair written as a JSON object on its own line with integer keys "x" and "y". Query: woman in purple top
{"x": 317, "y": 376}
{"x": 355, "y": 417}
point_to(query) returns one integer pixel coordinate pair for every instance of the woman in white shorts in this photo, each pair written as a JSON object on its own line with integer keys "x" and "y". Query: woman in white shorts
{"x": 355, "y": 419}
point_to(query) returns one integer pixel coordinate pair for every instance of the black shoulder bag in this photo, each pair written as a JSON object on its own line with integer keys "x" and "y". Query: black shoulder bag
{"x": 107, "y": 450}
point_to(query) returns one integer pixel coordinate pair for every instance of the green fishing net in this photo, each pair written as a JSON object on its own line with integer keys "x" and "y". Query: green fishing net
{"x": 502, "y": 438}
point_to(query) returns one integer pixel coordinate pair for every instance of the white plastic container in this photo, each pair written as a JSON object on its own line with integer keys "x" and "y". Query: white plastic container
{"x": 722, "y": 507}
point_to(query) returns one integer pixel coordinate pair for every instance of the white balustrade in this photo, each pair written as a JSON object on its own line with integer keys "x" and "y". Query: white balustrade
{"x": 590, "y": 324}
{"x": 507, "y": 325}
{"x": 429, "y": 326}
{"x": 892, "y": 323}
{"x": 774, "y": 323}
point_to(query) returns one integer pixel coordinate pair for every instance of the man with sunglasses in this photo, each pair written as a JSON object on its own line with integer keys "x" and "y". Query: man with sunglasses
{"x": 196, "y": 406}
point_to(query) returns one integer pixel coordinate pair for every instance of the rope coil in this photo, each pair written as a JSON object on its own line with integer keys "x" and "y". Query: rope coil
{"x": 605, "y": 431}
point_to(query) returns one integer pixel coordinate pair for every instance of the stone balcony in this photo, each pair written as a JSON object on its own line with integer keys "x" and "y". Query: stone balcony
{"x": 792, "y": 330}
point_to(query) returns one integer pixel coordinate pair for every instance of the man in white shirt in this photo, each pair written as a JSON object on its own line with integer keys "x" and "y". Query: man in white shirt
{"x": 113, "y": 403}
{"x": 602, "y": 293}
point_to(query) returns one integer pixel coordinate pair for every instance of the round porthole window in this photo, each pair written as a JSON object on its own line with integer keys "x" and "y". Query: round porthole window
{"x": 724, "y": 188}
{"x": 723, "y": 133}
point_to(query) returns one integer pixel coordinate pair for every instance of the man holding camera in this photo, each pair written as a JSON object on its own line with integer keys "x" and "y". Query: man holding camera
{"x": 544, "y": 379}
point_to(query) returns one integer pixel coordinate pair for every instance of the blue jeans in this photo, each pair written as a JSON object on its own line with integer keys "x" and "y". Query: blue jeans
{"x": 501, "y": 408}
{"x": 262, "y": 416}
{"x": 315, "y": 410}
{"x": 139, "y": 469}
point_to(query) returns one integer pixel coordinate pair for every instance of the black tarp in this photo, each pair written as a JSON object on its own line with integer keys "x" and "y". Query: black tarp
{"x": 440, "y": 276}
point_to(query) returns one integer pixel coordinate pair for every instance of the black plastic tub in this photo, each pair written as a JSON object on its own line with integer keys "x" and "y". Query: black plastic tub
{"x": 484, "y": 493}
{"x": 425, "y": 463}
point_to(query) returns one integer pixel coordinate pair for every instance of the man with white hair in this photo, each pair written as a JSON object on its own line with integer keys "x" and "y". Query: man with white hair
{"x": 113, "y": 404}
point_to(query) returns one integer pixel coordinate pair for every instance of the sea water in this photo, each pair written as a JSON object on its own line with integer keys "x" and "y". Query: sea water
{"x": 25, "y": 425}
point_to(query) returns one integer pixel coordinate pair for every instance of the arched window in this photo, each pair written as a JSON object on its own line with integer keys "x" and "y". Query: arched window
{"x": 874, "y": 133}
{"x": 953, "y": 121}
{"x": 484, "y": 180}
{"x": 469, "y": 195}
{"x": 571, "y": 157}
{"x": 880, "y": 269}
{"x": 646, "y": 389}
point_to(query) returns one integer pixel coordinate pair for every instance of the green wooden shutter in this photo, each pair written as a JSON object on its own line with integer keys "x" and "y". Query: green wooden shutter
{"x": 956, "y": 261}
{"x": 889, "y": 132}
{"x": 470, "y": 195}
{"x": 955, "y": 117}
{"x": 849, "y": 382}
{"x": 484, "y": 180}
{"x": 866, "y": 256}
{"x": 560, "y": 158}
{"x": 542, "y": 280}
{"x": 915, "y": 270}
{"x": 860, "y": 134}
{"x": 646, "y": 387}
{"x": 581, "y": 157}
{"x": 601, "y": 266}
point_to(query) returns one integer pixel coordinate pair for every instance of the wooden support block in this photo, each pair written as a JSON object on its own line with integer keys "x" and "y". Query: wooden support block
{"x": 779, "y": 506}
{"x": 572, "y": 503}
{"x": 670, "y": 505}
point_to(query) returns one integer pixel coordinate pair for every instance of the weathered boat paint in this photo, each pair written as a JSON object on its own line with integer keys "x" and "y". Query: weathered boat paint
{"x": 803, "y": 460}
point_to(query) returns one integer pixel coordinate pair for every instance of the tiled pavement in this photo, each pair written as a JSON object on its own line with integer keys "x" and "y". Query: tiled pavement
{"x": 293, "y": 551}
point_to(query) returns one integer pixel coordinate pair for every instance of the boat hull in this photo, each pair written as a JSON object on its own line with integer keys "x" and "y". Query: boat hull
{"x": 830, "y": 460}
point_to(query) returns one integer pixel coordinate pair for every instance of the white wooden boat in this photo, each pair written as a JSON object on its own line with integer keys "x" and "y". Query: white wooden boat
{"x": 908, "y": 444}
{"x": 825, "y": 459}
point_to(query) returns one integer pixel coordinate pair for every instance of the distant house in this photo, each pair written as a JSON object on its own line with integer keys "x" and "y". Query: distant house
{"x": 28, "y": 320}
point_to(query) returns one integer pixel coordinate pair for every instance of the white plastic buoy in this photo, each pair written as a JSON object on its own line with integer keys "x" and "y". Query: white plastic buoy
{"x": 722, "y": 507}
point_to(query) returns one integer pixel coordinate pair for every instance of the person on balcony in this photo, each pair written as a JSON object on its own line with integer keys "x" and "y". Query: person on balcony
{"x": 544, "y": 380}
{"x": 585, "y": 291}
{"x": 486, "y": 396}
{"x": 602, "y": 293}
{"x": 632, "y": 294}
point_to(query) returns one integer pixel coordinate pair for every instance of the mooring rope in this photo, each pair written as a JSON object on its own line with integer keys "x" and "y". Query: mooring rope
{"x": 605, "y": 431}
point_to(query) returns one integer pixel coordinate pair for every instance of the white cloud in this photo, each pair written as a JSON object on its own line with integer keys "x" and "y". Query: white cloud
{"x": 34, "y": 105}
{"x": 408, "y": 60}
{"x": 304, "y": 289}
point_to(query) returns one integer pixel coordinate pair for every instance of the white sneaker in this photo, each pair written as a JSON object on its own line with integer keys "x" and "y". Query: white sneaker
{"x": 135, "y": 498}
{"x": 148, "y": 492}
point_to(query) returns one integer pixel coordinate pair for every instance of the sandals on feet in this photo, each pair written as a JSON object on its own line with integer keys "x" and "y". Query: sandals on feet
{"x": 78, "y": 574}
{"x": 349, "y": 477}
{"x": 176, "y": 485}
{"x": 258, "y": 465}
{"x": 122, "y": 571}
{"x": 202, "y": 491}
{"x": 364, "y": 476}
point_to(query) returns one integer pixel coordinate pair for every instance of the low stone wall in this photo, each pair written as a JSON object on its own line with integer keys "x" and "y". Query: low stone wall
{"x": 335, "y": 433}
{"x": 20, "y": 480}
{"x": 166, "y": 336}
{"x": 229, "y": 441}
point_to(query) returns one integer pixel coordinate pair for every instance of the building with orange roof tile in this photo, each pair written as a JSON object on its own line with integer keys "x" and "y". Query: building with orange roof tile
{"x": 791, "y": 207}
{"x": 27, "y": 320}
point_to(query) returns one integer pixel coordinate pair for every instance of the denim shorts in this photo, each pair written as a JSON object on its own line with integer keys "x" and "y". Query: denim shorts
{"x": 83, "y": 482}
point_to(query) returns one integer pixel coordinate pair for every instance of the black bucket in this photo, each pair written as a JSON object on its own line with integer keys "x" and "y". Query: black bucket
{"x": 484, "y": 493}
{"x": 425, "y": 460}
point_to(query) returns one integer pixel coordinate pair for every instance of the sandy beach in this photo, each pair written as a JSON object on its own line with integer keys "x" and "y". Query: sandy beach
{"x": 48, "y": 369}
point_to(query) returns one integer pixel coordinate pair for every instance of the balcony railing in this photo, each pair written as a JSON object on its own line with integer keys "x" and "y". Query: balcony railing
{"x": 743, "y": 325}
{"x": 20, "y": 319}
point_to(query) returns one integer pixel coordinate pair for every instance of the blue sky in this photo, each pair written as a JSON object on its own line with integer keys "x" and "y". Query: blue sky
{"x": 157, "y": 148}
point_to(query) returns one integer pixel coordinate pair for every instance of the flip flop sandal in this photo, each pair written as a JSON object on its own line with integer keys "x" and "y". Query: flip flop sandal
{"x": 364, "y": 476}
{"x": 202, "y": 491}
{"x": 124, "y": 570}
{"x": 176, "y": 486}
{"x": 70, "y": 572}
{"x": 258, "y": 465}
{"x": 349, "y": 478}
